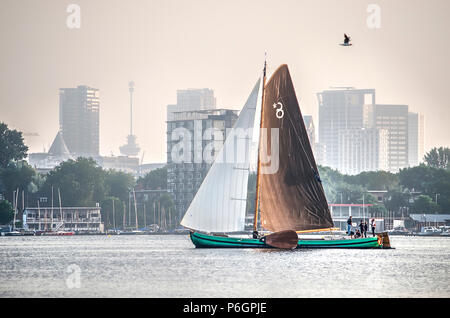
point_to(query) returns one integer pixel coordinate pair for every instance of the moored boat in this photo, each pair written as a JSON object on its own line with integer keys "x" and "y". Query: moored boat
{"x": 13, "y": 233}
{"x": 430, "y": 231}
{"x": 58, "y": 233}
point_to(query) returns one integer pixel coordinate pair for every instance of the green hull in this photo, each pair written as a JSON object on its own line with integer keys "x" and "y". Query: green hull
{"x": 201, "y": 240}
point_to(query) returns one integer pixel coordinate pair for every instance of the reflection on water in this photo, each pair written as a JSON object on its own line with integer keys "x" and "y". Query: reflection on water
{"x": 169, "y": 266}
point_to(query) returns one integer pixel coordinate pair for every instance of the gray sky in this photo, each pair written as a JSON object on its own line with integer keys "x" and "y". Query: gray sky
{"x": 165, "y": 45}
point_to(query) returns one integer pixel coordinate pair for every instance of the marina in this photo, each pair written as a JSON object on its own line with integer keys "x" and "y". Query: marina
{"x": 170, "y": 266}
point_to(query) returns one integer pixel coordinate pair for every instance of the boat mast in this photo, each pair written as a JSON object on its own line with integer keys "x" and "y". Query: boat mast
{"x": 60, "y": 208}
{"x": 124, "y": 216}
{"x": 114, "y": 216}
{"x": 39, "y": 215}
{"x": 255, "y": 220}
{"x": 14, "y": 206}
{"x": 135, "y": 209}
{"x": 145, "y": 217}
{"x": 51, "y": 222}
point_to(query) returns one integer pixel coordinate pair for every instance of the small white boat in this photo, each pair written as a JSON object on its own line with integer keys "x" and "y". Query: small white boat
{"x": 430, "y": 231}
{"x": 13, "y": 233}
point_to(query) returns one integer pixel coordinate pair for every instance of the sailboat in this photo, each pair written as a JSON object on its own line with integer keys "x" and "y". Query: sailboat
{"x": 290, "y": 199}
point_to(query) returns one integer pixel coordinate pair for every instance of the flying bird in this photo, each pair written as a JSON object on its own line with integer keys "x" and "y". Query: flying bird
{"x": 346, "y": 40}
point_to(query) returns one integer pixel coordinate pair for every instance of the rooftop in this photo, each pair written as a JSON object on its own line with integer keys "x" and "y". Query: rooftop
{"x": 430, "y": 217}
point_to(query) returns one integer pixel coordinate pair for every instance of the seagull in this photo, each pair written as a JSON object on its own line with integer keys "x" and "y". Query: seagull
{"x": 346, "y": 40}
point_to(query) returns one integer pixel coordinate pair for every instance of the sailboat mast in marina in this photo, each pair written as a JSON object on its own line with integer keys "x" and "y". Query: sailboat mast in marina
{"x": 289, "y": 194}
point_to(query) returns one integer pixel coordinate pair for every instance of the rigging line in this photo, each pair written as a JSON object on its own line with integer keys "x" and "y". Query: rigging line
{"x": 255, "y": 220}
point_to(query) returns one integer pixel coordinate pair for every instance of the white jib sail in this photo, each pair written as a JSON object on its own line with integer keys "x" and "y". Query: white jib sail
{"x": 220, "y": 202}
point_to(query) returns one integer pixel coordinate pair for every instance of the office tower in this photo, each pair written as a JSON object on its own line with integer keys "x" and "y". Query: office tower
{"x": 310, "y": 129}
{"x": 339, "y": 109}
{"x": 191, "y": 100}
{"x": 415, "y": 139}
{"x": 363, "y": 149}
{"x": 195, "y": 114}
{"x": 195, "y": 99}
{"x": 184, "y": 178}
{"x": 320, "y": 153}
{"x": 79, "y": 120}
{"x": 393, "y": 118}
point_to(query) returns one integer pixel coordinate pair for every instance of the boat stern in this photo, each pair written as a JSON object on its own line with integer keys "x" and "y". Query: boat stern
{"x": 383, "y": 240}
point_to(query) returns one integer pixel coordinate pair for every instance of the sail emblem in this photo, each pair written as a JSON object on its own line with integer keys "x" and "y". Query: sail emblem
{"x": 280, "y": 111}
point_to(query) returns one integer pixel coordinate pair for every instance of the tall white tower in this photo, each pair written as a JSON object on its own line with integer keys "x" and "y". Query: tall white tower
{"x": 131, "y": 148}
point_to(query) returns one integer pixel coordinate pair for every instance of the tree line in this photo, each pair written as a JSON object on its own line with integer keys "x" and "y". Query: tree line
{"x": 421, "y": 189}
{"x": 81, "y": 182}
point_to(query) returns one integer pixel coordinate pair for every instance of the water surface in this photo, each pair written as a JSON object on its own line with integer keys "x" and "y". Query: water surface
{"x": 169, "y": 266}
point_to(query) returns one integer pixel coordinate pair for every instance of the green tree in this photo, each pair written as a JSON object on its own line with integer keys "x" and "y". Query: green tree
{"x": 331, "y": 181}
{"x": 351, "y": 193}
{"x": 6, "y": 212}
{"x": 378, "y": 209}
{"x": 438, "y": 158}
{"x": 167, "y": 205}
{"x": 396, "y": 200}
{"x": 424, "y": 204}
{"x": 11, "y": 145}
{"x": 112, "y": 217}
{"x": 417, "y": 178}
{"x": 375, "y": 180}
{"x": 166, "y": 201}
{"x": 16, "y": 175}
{"x": 154, "y": 180}
{"x": 430, "y": 181}
{"x": 81, "y": 182}
{"x": 119, "y": 184}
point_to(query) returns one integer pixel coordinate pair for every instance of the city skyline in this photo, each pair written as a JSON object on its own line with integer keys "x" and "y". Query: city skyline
{"x": 154, "y": 47}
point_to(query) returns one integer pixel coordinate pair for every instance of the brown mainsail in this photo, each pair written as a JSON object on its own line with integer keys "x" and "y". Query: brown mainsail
{"x": 291, "y": 197}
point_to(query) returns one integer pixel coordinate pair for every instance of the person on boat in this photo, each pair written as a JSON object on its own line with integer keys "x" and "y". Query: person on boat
{"x": 365, "y": 228}
{"x": 357, "y": 234}
{"x": 361, "y": 227}
{"x": 373, "y": 224}
{"x": 349, "y": 225}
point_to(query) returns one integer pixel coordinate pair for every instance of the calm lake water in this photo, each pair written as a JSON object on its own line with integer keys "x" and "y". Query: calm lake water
{"x": 170, "y": 266}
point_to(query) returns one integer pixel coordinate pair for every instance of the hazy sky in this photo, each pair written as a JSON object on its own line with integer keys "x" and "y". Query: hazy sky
{"x": 167, "y": 45}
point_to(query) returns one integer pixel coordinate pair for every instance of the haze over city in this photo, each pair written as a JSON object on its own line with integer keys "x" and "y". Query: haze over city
{"x": 168, "y": 45}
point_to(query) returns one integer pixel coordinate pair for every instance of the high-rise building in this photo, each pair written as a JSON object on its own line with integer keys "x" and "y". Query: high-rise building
{"x": 320, "y": 153}
{"x": 363, "y": 149}
{"x": 195, "y": 114}
{"x": 393, "y": 118}
{"x": 310, "y": 129}
{"x": 340, "y": 109}
{"x": 415, "y": 139}
{"x": 79, "y": 119}
{"x": 192, "y": 100}
{"x": 184, "y": 176}
{"x": 195, "y": 99}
